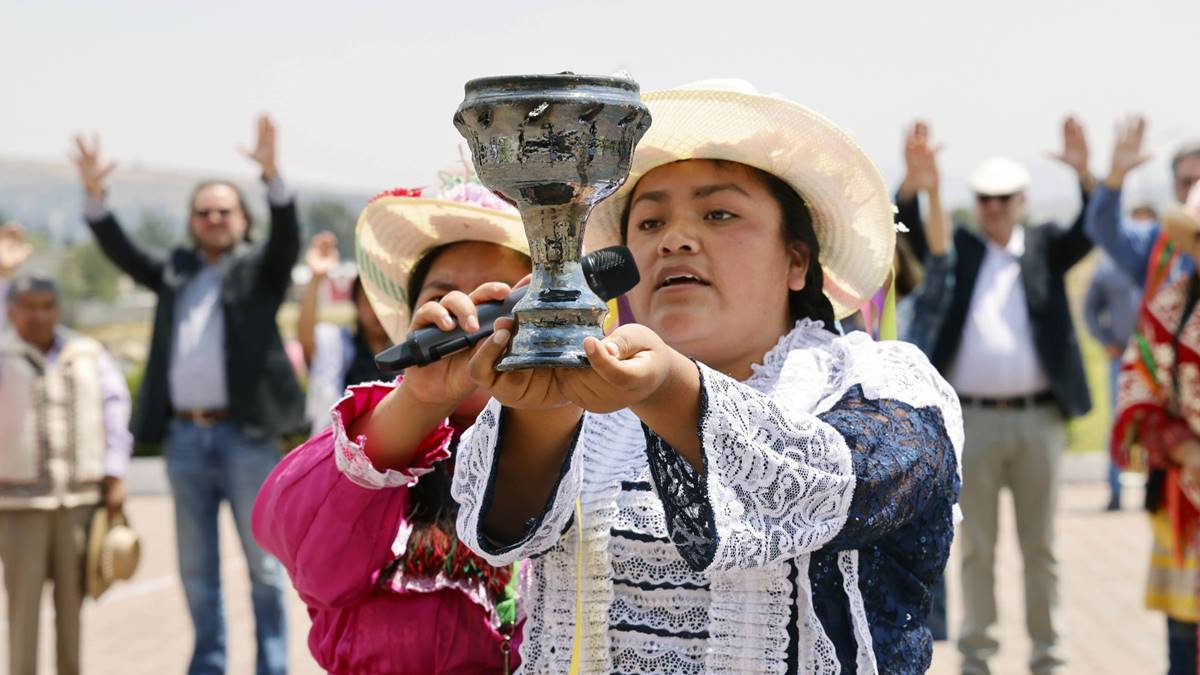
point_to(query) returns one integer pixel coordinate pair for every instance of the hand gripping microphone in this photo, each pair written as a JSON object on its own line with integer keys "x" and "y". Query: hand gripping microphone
{"x": 609, "y": 272}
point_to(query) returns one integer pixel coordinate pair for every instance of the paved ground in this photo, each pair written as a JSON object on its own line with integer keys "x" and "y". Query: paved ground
{"x": 142, "y": 626}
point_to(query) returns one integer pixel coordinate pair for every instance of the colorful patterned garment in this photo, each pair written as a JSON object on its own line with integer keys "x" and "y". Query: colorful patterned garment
{"x": 1158, "y": 393}
{"x": 382, "y": 597}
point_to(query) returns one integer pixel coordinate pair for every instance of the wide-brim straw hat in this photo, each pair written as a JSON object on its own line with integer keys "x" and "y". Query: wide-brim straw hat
{"x": 730, "y": 120}
{"x": 1181, "y": 223}
{"x": 399, "y": 227}
{"x": 113, "y": 552}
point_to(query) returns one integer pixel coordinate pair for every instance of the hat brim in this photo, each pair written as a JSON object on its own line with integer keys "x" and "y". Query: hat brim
{"x": 94, "y": 582}
{"x": 394, "y": 233}
{"x": 852, "y": 210}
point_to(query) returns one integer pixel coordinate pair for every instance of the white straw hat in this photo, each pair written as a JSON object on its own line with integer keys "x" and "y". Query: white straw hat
{"x": 399, "y": 227}
{"x": 730, "y": 120}
{"x": 999, "y": 176}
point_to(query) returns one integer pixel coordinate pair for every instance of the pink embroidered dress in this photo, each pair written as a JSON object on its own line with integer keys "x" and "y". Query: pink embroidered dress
{"x": 381, "y": 599}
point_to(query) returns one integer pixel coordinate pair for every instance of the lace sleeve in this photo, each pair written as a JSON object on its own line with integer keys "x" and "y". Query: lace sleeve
{"x": 904, "y": 464}
{"x": 775, "y": 484}
{"x": 474, "y": 487}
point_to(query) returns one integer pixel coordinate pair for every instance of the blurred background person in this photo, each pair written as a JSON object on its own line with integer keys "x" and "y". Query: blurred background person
{"x": 1110, "y": 310}
{"x": 337, "y": 357}
{"x": 1171, "y": 585}
{"x": 218, "y": 388}
{"x": 65, "y": 447}
{"x": 1008, "y": 346}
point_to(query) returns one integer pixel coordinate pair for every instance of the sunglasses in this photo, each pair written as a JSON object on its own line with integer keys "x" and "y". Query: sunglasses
{"x": 205, "y": 213}
{"x": 1003, "y": 199}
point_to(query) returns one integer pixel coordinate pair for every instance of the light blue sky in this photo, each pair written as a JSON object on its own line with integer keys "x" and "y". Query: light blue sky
{"x": 364, "y": 91}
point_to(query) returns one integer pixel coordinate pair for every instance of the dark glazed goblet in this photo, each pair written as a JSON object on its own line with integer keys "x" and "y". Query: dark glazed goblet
{"x": 554, "y": 146}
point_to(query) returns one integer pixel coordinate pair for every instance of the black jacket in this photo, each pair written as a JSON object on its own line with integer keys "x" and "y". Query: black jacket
{"x": 265, "y": 400}
{"x": 1050, "y": 252}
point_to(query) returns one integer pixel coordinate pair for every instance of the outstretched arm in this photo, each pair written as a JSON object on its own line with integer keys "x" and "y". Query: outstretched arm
{"x": 283, "y": 242}
{"x": 143, "y": 267}
{"x": 322, "y": 258}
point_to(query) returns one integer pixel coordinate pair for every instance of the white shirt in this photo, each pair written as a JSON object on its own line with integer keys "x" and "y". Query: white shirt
{"x": 997, "y": 356}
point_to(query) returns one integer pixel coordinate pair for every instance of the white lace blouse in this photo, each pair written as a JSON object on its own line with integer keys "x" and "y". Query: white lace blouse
{"x": 690, "y": 573}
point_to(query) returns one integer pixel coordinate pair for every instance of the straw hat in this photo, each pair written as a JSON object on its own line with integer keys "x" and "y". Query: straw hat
{"x": 999, "y": 176}
{"x": 730, "y": 120}
{"x": 1181, "y": 223}
{"x": 398, "y": 227}
{"x": 113, "y": 551}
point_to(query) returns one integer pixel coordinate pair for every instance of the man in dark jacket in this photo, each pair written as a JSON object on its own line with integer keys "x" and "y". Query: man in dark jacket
{"x": 1008, "y": 346}
{"x": 218, "y": 389}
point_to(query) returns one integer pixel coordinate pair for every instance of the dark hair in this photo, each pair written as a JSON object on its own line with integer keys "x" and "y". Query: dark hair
{"x": 1186, "y": 151}
{"x": 241, "y": 199}
{"x": 809, "y": 302}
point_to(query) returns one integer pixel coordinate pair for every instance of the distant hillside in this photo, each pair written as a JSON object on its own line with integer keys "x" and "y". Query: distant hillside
{"x": 46, "y": 196}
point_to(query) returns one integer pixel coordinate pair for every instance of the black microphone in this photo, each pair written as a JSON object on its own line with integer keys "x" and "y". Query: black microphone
{"x": 609, "y": 272}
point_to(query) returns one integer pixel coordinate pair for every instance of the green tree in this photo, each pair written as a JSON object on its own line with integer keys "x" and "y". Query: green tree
{"x": 86, "y": 273}
{"x": 155, "y": 233}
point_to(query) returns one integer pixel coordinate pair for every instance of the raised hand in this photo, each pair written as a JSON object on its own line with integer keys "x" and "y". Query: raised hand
{"x": 322, "y": 256}
{"x": 14, "y": 250}
{"x": 263, "y": 152}
{"x": 1128, "y": 152}
{"x": 92, "y": 171}
{"x": 1075, "y": 148}
{"x": 920, "y": 161}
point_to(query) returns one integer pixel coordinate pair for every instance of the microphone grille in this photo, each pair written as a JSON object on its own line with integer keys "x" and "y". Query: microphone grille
{"x": 610, "y": 271}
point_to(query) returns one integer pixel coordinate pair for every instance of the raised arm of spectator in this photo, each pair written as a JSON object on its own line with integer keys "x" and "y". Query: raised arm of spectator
{"x": 143, "y": 267}
{"x": 283, "y": 243}
{"x": 922, "y": 175}
{"x": 1102, "y": 222}
{"x": 322, "y": 258}
{"x": 1073, "y": 244}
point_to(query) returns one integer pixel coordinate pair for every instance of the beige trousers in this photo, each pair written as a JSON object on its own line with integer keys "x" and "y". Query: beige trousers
{"x": 35, "y": 546}
{"x": 1020, "y": 450}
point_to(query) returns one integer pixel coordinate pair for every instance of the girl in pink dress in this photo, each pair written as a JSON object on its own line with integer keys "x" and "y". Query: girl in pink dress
{"x": 371, "y": 546}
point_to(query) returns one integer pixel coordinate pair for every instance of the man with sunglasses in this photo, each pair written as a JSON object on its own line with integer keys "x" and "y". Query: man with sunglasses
{"x": 1170, "y": 585}
{"x": 1008, "y": 345}
{"x": 218, "y": 389}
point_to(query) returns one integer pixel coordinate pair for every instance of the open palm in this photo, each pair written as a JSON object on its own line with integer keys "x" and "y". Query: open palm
{"x": 14, "y": 250}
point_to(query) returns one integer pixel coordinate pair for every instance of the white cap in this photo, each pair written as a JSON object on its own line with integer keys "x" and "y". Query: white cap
{"x": 999, "y": 176}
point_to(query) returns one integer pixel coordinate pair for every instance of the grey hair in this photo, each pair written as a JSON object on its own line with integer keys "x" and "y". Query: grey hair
{"x": 30, "y": 283}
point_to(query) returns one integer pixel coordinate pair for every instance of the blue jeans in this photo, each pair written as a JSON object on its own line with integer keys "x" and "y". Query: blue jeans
{"x": 205, "y": 465}
{"x": 1114, "y": 474}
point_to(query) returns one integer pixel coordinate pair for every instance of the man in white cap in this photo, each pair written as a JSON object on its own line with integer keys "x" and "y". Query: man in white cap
{"x": 1008, "y": 345}
{"x": 64, "y": 409}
